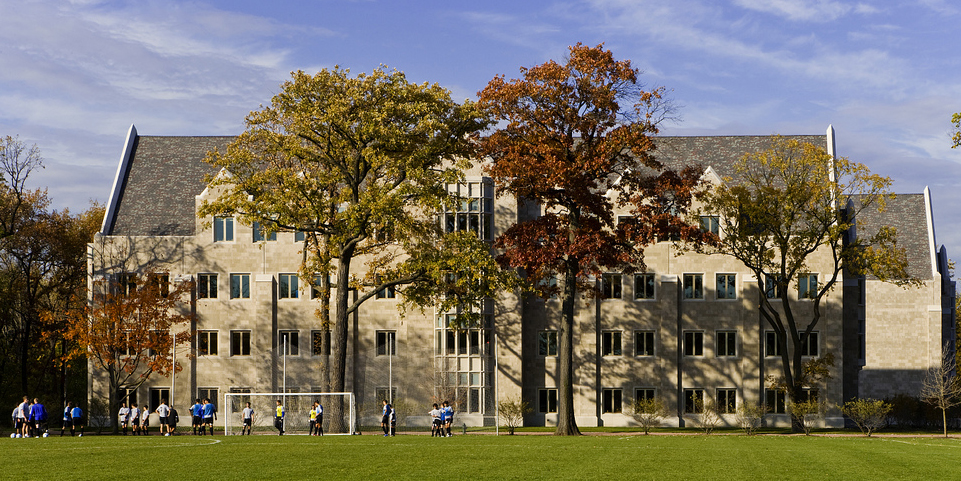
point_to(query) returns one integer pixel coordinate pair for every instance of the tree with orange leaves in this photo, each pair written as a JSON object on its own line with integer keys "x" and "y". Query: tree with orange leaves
{"x": 576, "y": 138}
{"x": 130, "y": 329}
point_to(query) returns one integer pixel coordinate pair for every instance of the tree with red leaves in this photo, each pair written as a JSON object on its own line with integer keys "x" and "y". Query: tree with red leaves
{"x": 577, "y": 139}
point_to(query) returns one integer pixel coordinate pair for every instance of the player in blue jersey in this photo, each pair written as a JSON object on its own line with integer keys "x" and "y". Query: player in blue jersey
{"x": 196, "y": 412}
{"x": 388, "y": 422}
{"x": 67, "y": 419}
{"x": 77, "y": 417}
{"x": 38, "y": 415}
{"x": 448, "y": 416}
{"x": 210, "y": 414}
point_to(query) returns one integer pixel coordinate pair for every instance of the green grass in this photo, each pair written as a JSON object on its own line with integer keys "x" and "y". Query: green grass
{"x": 480, "y": 457}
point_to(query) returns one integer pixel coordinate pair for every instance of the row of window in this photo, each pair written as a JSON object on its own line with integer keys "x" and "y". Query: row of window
{"x": 208, "y": 343}
{"x": 725, "y": 401}
{"x": 725, "y": 286}
{"x": 725, "y": 345}
{"x": 288, "y": 287}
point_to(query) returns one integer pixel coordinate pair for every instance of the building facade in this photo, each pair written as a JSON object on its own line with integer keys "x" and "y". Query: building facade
{"x": 686, "y": 330}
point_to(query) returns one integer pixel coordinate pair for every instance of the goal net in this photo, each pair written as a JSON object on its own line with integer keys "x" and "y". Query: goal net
{"x": 339, "y": 417}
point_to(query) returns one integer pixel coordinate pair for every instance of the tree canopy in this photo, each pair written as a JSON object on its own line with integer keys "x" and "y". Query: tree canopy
{"x": 361, "y": 165}
{"x": 788, "y": 211}
{"x": 576, "y": 138}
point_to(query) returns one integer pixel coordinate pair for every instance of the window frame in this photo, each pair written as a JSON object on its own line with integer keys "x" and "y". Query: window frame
{"x": 258, "y": 233}
{"x": 641, "y": 280}
{"x": 693, "y": 401}
{"x": 725, "y": 343}
{"x": 649, "y": 344}
{"x": 208, "y": 335}
{"x": 547, "y": 400}
{"x": 807, "y": 346}
{"x": 243, "y": 280}
{"x": 729, "y": 284}
{"x": 223, "y": 227}
{"x": 697, "y": 289}
{"x": 612, "y": 343}
{"x": 805, "y": 292}
{"x": 772, "y": 348}
{"x": 288, "y": 286}
{"x": 712, "y": 224}
{"x": 294, "y": 336}
{"x": 207, "y": 285}
{"x": 693, "y": 343}
{"x": 726, "y": 400}
{"x": 611, "y": 286}
{"x": 546, "y": 340}
{"x": 243, "y": 340}
{"x": 612, "y": 400}
{"x": 775, "y": 401}
{"x": 386, "y": 340}
{"x": 648, "y": 393}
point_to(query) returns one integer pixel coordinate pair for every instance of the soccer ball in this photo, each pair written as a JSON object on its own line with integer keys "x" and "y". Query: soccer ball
{"x": 81, "y": 435}
{"x": 13, "y": 435}
{"x": 46, "y": 434}
{"x": 167, "y": 434}
{"x": 18, "y": 435}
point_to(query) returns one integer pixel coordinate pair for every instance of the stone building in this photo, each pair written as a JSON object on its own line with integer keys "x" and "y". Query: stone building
{"x": 685, "y": 330}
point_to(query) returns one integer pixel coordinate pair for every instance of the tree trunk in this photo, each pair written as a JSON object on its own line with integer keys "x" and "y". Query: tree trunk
{"x": 566, "y": 424}
{"x": 338, "y": 338}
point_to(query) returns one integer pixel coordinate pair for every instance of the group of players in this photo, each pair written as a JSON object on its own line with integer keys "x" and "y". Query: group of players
{"x": 441, "y": 419}
{"x": 203, "y": 414}
{"x": 315, "y": 419}
{"x": 30, "y": 419}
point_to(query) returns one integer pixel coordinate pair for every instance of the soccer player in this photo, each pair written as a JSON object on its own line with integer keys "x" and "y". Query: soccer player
{"x": 77, "y": 417}
{"x": 134, "y": 419}
{"x": 123, "y": 416}
{"x": 172, "y": 421}
{"x": 39, "y": 416}
{"x": 196, "y": 410}
{"x": 23, "y": 416}
{"x": 210, "y": 414}
{"x": 145, "y": 420}
{"x": 435, "y": 421}
{"x": 388, "y": 422}
{"x": 312, "y": 419}
{"x": 279, "y": 418}
{"x": 163, "y": 412}
{"x": 67, "y": 419}
{"x": 248, "y": 417}
{"x": 448, "y": 417}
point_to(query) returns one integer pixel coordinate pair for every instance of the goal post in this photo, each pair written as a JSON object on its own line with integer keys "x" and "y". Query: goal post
{"x": 339, "y": 417}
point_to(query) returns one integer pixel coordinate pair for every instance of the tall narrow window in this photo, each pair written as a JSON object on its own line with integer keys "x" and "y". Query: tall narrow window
{"x": 771, "y": 345}
{"x": 611, "y": 343}
{"x": 807, "y": 287}
{"x": 206, "y": 286}
{"x": 774, "y": 401}
{"x": 239, "y": 343}
{"x": 693, "y": 343}
{"x": 644, "y": 286}
{"x": 547, "y": 343}
{"x": 287, "y": 286}
{"x": 693, "y": 401}
{"x": 711, "y": 223}
{"x": 809, "y": 345}
{"x": 386, "y": 343}
{"x": 694, "y": 286}
{"x": 206, "y": 343}
{"x": 643, "y": 343}
{"x": 240, "y": 286}
{"x": 474, "y": 211}
{"x": 223, "y": 229}
{"x": 289, "y": 343}
{"x": 611, "y": 400}
{"x": 772, "y": 286}
{"x": 726, "y": 401}
{"x": 611, "y": 286}
{"x": 726, "y": 286}
{"x": 726, "y": 344}
{"x": 547, "y": 400}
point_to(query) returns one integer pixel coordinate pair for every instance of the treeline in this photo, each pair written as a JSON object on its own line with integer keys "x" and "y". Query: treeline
{"x": 42, "y": 278}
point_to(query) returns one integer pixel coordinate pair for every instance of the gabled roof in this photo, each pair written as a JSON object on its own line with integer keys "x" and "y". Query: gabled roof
{"x": 157, "y": 182}
{"x": 909, "y": 215}
{"x": 721, "y": 152}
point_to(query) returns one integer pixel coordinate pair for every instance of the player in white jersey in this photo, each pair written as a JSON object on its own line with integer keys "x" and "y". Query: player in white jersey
{"x": 248, "y": 417}
{"x": 123, "y": 417}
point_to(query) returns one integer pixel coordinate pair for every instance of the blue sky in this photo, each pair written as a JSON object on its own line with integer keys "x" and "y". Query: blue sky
{"x": 75, "y": 74}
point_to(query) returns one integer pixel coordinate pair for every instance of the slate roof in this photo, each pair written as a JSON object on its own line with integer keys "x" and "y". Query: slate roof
{"x": 163, "y": 177}
{"x": 907, "y": 213}
{"x": 719, "y": 152}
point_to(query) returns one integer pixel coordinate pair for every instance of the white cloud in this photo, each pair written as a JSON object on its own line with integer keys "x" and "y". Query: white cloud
{"x": 799, "y": 10}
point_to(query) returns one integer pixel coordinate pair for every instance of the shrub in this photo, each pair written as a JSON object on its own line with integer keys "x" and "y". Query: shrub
{"x": 749, "y": 417}
{"x": 709, "y": 419}
{"x": 806, "y": 413}
{"x": 648, "y": 412}
{"x": 869, "y": 414}
{"x": 512, "y": 411}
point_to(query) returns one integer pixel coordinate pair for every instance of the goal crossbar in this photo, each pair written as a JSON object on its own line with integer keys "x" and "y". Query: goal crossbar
{"x": 339, "y": 412}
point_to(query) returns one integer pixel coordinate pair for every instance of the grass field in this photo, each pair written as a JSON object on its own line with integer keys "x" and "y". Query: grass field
{"x": 480, "y": 457}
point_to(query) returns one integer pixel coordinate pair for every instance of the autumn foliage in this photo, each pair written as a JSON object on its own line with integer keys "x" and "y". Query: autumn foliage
{"x": 577, "y": 139}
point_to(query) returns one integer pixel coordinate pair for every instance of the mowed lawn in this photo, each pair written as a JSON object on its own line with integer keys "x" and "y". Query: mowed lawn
{"x": 372, "y": 456}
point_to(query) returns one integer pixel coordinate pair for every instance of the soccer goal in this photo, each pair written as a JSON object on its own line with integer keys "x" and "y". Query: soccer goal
{"x": 340, "y": 412}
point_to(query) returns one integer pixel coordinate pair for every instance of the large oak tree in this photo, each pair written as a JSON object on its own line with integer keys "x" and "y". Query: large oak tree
{"x": 577, "y": 138}
{"x": 361, "y": 165}
{"x": 788, "y": 211}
